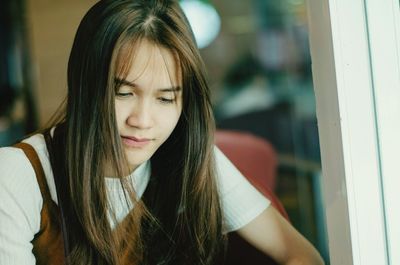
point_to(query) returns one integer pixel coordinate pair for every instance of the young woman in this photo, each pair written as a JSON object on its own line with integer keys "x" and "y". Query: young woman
{"x": 129, "y": 174}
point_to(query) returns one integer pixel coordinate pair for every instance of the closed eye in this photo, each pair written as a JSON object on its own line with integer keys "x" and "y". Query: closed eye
{"x": 126, "y": 94}
{"x": 166, "y": 100}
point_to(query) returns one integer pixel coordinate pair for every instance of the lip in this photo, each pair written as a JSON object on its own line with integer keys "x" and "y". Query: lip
{"x": 136, "y": 142}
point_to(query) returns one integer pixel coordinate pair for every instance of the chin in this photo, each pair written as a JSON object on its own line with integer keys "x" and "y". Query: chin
{"x": 134, "y": 163}
{"x": 136, "y": 158}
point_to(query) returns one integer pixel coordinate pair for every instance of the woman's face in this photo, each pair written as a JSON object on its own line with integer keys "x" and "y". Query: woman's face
{"x": 148, "y": 102}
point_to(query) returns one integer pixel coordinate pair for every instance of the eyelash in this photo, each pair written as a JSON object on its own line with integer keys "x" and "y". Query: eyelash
{"x": 166, "y": 100}
{"x": 161, "y": 99}
{"x": 124, "y": 94}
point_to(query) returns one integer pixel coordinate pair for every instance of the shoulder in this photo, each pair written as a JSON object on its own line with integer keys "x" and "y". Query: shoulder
{"x": 17, "y": 176}
{"x": 20, "y": 197}
{"x": 241, "y": 202}
{"x": 15, "y": 167}
{"x": 228, "y": 175}
{"x": 39, "y": 144}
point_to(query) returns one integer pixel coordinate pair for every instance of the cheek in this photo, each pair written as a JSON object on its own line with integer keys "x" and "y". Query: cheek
{"x": 120, "y": 113}
{"x": 176, "y": 118}
{"x": 117, "y": 114}
{"x": 170, "y": 120}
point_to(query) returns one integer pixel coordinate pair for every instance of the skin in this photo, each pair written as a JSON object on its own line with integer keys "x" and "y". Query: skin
{"x": 144, "y": 110}
{"x": 148, "y": 104}
{"x": 273, "y": 235}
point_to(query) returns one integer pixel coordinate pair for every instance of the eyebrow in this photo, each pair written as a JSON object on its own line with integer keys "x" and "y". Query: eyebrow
{"x": 119, "y": 82}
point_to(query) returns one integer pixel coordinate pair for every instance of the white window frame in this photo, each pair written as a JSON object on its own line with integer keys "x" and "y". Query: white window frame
{"x": 355, "y": 49}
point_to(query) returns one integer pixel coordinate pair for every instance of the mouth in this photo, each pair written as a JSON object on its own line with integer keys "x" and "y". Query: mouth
{"x": 135, "y": 142}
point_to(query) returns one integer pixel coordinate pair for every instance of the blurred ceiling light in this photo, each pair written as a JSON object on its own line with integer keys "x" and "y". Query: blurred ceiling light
{"x": 203, "y": 19}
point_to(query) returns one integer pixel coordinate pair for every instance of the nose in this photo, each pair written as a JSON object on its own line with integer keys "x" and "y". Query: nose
{"x": 141, "y": 116}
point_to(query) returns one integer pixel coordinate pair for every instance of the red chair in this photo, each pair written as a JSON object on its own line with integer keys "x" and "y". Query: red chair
{"x": 256, "y": 160}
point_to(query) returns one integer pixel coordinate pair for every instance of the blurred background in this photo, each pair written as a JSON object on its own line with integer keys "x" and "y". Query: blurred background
{"x": 257, "y": 56}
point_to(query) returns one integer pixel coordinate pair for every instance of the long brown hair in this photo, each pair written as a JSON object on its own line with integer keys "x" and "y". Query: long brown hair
{"x": 179, "y": 218}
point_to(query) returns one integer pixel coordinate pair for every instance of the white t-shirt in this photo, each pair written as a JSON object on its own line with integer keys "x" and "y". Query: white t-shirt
{"x": 21, "y": 200}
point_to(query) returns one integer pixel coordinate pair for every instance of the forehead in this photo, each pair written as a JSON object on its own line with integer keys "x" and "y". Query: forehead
{"x": 148, "y": 61}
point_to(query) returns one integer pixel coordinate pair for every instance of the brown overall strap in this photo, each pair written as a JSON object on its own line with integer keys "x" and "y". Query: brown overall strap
{"x": 37, "y": 167}
{"x": 48, "y": 246}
